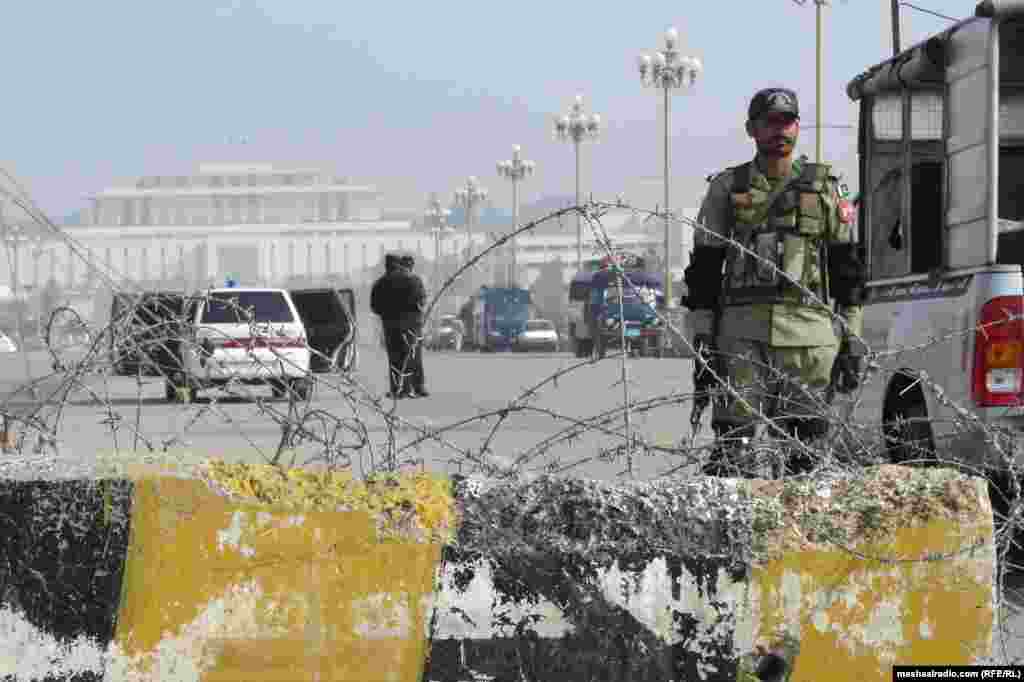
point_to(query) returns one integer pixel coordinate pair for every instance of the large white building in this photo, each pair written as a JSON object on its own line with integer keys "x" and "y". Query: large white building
{"x": 263, "y": 225}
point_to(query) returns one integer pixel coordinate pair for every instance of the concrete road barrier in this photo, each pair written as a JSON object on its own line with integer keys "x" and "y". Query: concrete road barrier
{"x": 684, "y": 579}
{"x": 230, "y": 572}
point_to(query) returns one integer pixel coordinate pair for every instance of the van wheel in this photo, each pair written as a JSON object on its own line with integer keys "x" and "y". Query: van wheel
{"x": 302, "y": 388}
{"x": 277, "y": 388}
{"x": 908, "y": 435}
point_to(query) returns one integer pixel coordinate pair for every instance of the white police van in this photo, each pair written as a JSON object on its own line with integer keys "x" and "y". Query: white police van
{"x": 244, "y": 335}
{"x": 941, "y": 220}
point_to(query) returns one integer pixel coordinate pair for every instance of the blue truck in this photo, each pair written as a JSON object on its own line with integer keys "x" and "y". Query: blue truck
{"x": 494, "y": 316}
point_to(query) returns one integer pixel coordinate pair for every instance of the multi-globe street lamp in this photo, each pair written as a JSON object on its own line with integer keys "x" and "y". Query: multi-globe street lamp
{"x": 468, "y": 198}
{"x": 440, "y": 230}
{"x": 668, "y": 71}
{"x": 576, "y": 127}
{"x": 515, "y": 170}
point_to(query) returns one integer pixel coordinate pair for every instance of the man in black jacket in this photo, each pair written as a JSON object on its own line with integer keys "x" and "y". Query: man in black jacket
{"x": 398, "y": 297}
{"x": 419, "y": 382}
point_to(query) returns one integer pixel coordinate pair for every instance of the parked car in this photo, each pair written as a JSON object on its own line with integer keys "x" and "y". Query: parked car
{"x": 247, "y": 335}
{"x": 538, "y": 335}
{"x": 448, "y": 333}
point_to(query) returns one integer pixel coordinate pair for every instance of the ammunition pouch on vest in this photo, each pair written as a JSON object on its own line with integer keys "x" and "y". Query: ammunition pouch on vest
{"x": 703, "y": 277}
{"x": 787, "y": 233}
{"x": 847, "y": 273}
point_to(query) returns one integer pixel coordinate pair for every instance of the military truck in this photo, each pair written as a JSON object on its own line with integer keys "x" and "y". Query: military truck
{"x": 941, "y": 222}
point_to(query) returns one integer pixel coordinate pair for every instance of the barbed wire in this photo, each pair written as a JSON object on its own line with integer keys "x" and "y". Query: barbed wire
{"x": 152, "y": 336}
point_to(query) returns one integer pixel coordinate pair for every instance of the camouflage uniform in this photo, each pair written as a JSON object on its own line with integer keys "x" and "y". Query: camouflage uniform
{"x": 771, "y": 336}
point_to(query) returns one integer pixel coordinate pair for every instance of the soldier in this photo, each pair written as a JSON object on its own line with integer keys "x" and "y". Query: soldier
{"x": 767, "y": 336}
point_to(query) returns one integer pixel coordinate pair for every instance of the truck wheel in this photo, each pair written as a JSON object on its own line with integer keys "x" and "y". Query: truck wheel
{"x": 908, "y": 435}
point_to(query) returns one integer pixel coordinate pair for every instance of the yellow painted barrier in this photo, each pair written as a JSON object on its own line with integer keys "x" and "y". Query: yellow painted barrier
{"x": 236, "y": 572}
{"x": 686, "y": 577}
{"x": 219, "y": 589}
{"x": 917, "y": 587}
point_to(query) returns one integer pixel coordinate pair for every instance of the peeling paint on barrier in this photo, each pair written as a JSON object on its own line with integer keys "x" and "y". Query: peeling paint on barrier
{"x": 654, "y": 581}
{"x": 219, "y": 591}
{"x": 29, "y": 653}
{"x": 265, "y": 578}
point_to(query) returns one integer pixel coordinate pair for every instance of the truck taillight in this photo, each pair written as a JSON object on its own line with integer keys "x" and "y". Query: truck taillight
{"x": 998, "y": 378}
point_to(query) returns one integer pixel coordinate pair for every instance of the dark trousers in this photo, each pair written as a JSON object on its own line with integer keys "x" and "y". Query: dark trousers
{"x": 405, "y": 358}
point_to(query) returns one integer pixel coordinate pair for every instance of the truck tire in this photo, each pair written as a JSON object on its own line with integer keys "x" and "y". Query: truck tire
{"x": 907, "y": 433}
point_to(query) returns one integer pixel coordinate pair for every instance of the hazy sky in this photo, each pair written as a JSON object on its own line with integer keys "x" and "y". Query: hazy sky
{"x": 413, "y": 96}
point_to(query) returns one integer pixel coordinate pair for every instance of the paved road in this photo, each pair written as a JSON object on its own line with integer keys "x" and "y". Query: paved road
{"x": 463, "y": 385}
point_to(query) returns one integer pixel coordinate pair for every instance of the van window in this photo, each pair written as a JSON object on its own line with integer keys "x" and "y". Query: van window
{"x": 888, "y": 258}
{"x": 244, "y": 306}
{"x": 890, "y": 239}
{"x": 319, "y": 307}
{"x": 926, "y": 112}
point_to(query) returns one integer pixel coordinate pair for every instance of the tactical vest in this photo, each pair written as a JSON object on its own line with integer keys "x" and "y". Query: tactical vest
{"x": 789, "y": 234}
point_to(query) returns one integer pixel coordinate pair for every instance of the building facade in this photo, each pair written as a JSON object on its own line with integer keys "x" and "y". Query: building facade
{"x": 261, "y": 225}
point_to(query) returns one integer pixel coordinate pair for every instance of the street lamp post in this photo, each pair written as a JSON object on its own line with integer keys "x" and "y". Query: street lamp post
{"x": 515, "y": 170}
{"x": 437, "y": 218}
{"x": 668, "y": 70}
{"x": 576, "y": 127}
{"x": 468, "y": 197}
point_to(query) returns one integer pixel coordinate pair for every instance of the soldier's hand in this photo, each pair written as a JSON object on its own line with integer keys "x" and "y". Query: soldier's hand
{"x": 847, "y": 370}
